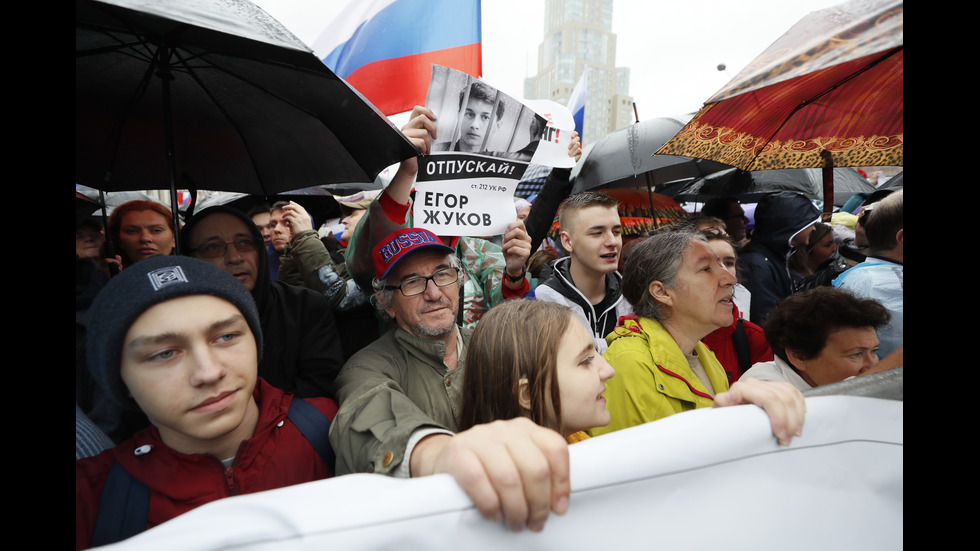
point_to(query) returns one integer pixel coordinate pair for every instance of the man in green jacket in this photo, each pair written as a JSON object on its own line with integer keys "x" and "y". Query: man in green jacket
{"x": 399, "y": 396}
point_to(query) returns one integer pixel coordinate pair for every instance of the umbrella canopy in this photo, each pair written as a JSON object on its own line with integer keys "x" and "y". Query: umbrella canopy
{"x": 829, "y": 92}
{"x": 640, "y": 211}
{"x": 218, "y": 95}
{"x": 751, "y": 185}
{"x": 626, "y": 158}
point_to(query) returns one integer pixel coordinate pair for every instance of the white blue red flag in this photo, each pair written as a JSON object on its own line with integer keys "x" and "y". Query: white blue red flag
{"x": 385, "y": 48}
{"x": 576, "y": 104}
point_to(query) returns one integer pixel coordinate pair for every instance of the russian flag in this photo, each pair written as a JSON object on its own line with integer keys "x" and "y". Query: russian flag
{"x": 385, "y": 48}
{"x": 576, "y": 104}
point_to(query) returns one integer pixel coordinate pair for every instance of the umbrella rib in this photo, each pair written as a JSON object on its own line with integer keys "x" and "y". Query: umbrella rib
{"x": 824, "y": 93}
{"x": 138, "y": 93}
{"x": 189, "y": 70}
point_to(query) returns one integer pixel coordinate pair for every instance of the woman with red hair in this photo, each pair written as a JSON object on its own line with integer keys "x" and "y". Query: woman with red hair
{"x": 141, "y": 229}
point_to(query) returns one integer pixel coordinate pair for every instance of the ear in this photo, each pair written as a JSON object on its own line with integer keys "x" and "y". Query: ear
{"x": 566, "y": 241}
{"x": 524, "y": 393}
{"x": 900, "y": 237}
{"x": 390, "y": 311}
{"x": 794, "y": 358}
{"x": 660, "y": 293}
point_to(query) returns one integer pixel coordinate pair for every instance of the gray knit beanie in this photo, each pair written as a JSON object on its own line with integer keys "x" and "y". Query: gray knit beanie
{"x": 138, "y": 288}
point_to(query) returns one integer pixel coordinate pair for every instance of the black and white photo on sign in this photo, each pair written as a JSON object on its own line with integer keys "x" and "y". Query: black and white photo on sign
{"x": 474, "y": 117}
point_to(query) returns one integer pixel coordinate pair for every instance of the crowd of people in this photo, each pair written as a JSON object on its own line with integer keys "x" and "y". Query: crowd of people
{"x": 265, "y": 355}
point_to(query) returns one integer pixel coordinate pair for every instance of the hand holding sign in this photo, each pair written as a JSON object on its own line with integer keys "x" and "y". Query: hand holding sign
{"x": 516, "y": 249}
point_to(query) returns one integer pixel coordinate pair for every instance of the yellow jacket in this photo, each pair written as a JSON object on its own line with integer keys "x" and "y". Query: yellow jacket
{"x": 653, "y": 379}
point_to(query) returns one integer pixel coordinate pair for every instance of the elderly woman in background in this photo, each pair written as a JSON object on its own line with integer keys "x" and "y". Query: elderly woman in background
{"x": 821, "y": 336}
{"x": 681, "y": 292}
{"x": 141, "y": 229}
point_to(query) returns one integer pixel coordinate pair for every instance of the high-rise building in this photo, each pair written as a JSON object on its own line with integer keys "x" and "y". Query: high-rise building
{"x": 578, "y": 37}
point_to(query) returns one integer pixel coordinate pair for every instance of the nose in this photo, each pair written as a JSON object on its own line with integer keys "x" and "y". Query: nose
{"x": 727, "y": 278}
{"x": 870, "y": 359}
{"x": 232, "y": 256}
{"x": 206, "y": 368}
{"x": 432, "y": 292}
{"x": 145, "y": 236}
{"x": 606, "y": 371}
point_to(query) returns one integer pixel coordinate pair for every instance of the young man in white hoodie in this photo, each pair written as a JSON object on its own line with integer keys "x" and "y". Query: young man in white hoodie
{"x": 587, "y": 279}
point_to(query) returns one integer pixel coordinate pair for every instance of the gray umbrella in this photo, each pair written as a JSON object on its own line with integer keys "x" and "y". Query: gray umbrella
{"x": 746, "y": 185}
{"x": 625, "y": 158}
{"x": 218, "y": 95}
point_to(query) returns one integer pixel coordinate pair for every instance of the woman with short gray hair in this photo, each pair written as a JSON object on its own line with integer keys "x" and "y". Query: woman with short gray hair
{"x": 681, "y": 292}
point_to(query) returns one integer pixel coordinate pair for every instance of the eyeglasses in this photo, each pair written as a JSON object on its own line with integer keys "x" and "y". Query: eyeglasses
{"x": 214, "y": 249}
{"x": 416, "y": 285}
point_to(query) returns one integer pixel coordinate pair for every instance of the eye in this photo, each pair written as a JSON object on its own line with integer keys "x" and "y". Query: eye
{"x": 211, "y": 247}
{"x": 162, "y": 356}
{"x": 588, "y": 361}
{"x": 226, "y": 338}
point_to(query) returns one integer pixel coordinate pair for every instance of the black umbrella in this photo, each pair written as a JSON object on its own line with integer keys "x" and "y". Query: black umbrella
{"x": 747, "y": 185}
{"x": 218, "y": 95}
{"x": 625, "y": 158}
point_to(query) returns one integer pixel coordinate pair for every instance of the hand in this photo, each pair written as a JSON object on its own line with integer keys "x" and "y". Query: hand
{"x": 117, "y": 260}
{"x": 296, "y": 218}
{"x": 514, "y": 470}
{"x": 782, "y": 401}
{"x": 575, "y": 147}
{"x": 420, "y": 130}
{"x": 516, "y": 248}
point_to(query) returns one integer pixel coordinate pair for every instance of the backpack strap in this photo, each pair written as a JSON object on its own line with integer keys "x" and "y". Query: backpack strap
{"x": 123, "y": 508}
{"x": 741, "y": 346}
{"x": 315, "y": 426}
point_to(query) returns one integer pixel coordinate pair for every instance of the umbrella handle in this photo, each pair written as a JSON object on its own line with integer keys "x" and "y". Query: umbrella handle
{"x": 828, "y": 184}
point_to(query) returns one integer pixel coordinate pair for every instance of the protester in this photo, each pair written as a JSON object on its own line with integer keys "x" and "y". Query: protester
{"x": 740, "y": 345}
{"x": 492, "y": 274}
{"x": 819, "y": 263}
{"x": 783, "y": 220}
{"x": 303, "y": 350}
{"x": 353, "y": 208}
{"x": 821, "y": 336}
{"x": 881, "y": 276}
{"x": 305, "y": 260}
{"x": 532, "y": 359}
{"x": 399, "y": 396}
{"x": 681, "y": 292}
{"x": 142, "y": 229}
{"x": 587, "y": 279}
{"x": 731, "y": 213}
{"x": 181, "y": 339}
{"x": 90, "y": 245}
{"x": 713, "y": 224}
{"x": 261, "y": 215}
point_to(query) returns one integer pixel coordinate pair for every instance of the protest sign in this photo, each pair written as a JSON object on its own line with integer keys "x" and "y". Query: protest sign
{"x": 466, "y": 194}
{"x": 484, "y": 142}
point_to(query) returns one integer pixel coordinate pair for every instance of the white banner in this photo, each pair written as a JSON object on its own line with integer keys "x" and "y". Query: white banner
{"x": 704, "y": 478}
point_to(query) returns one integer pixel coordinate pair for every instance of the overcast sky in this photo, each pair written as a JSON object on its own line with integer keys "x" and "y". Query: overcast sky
{"x": 672, "y": 47}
